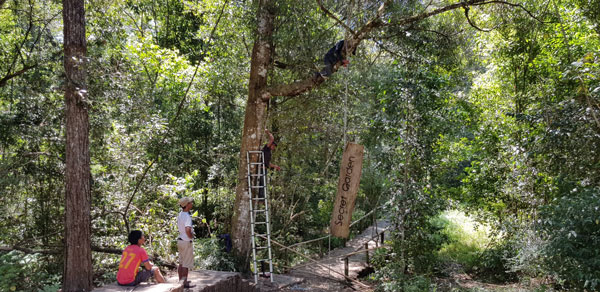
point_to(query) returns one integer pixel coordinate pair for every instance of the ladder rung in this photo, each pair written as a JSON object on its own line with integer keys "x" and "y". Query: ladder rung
{"x": 257, "y": 175}
{"x": 257, "y": 187}
{"x": 263, "y": 260}
{"x": 255, "y": 163}
{"x": 260, "y": 210}
{"x": 261, "y": 222}
{"x": 254, "y": 151}
{"x": 261, "y": 247}
{"x": 258, "y": 199}
{"x": 261, "y": 234}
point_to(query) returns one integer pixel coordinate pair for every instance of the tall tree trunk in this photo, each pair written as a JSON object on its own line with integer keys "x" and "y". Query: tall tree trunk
{"x": 78, "y": 255}
{"x": 254, "y": 122}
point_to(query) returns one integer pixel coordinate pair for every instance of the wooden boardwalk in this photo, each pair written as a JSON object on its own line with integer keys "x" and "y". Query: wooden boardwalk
{"x": 208, "y": 281}
{"x": 203, "y": 281}
{"x": 171, "y": 286}
{"x": 334, "y": 260}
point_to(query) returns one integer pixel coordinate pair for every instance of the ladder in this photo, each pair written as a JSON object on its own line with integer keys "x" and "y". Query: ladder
{"x": 259, "y": 211}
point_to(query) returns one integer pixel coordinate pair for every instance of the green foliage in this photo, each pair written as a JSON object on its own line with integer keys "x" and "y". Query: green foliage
{"x": 26, "y": 272}
{"x": 392, "y": 279}
{"x": 466, "y": 240}
{"x": 570, "y": 225}
{"x": 209, "y": 254}
{"x": 493, "y": 263}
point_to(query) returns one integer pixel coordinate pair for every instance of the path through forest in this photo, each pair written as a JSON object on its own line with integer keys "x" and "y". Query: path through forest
{"x": 320, "y": 277}
{"x": 317, "y": 277}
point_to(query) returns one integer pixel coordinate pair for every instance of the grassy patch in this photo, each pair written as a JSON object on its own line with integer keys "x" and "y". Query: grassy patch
{"x": 466, "y": 238}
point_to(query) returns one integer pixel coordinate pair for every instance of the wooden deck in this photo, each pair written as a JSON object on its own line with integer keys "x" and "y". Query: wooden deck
{"x": 171, "y": 286}
{"x": 208, "y": 281}
{"x": 203, "y": 281}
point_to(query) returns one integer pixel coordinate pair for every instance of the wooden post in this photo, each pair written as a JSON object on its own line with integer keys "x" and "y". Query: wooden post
{"x": 382, "y": 237}
{"x": 346, "y": 266}
{"x": 287, "y": 259}
{"x": 367, "y": 252}
{"x": 375, "y": 224}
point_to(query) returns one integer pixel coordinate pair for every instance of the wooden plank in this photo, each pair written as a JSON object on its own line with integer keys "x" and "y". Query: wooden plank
{"x": 171, "y": 286}
{"x": 348, "y": 183}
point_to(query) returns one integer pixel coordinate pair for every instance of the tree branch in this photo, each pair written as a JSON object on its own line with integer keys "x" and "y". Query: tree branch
{"x": 299, "y": 87}
{"x": 471, "y": 23}
{"x": 513, "y": 5}
{"x": 9, "y": 76}
{"x": 30, "y": 251}
{"x": 109, "y": 250}
{"x": 328, "y": 13}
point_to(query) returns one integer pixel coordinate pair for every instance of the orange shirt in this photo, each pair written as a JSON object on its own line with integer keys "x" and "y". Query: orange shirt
{"x": 131, "y": 259}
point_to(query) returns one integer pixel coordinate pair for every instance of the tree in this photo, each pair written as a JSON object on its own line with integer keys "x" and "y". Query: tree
{"x": 78, "y": 255}
{"x": 259, "y": 91}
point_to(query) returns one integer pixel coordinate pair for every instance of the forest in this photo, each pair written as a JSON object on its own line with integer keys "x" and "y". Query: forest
{"x": 480, "y": 114}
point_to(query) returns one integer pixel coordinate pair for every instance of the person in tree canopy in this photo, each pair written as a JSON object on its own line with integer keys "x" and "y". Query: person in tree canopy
{"x": 133, "y": 256}
{"x": 333, "y": 56}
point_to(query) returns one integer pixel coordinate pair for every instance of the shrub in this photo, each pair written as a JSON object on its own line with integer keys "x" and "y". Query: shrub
{"x": 571, "y": 225}
{"x": 493, "y": 263}
{"x": 209, "y": 254}
{"x": 26, "y": 272}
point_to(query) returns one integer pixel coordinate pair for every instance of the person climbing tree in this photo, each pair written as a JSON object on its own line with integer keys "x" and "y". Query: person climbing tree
{"x": 132, "y": 257}
{"x": 334, "y": 56}
{"x": 267, "y": 150}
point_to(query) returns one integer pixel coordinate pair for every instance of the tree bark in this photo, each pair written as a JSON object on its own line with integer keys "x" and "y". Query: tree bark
{"x": 254, "y": 122}
{"x": 77, "y": 274}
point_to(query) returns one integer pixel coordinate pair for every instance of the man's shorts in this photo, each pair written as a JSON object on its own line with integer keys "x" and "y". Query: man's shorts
{"x": 141, "y": 276}
{"x": 186, "y": 253}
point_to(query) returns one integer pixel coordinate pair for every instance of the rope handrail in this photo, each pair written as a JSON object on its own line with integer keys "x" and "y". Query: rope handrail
{"x": 356, "y": 251}
{"x": 329, "y": 235}
{"x": 322, "y": 265}
{"x": 309, "y": 241}
{"x": 361, "y": 251}
{"x": 364, "y": 216}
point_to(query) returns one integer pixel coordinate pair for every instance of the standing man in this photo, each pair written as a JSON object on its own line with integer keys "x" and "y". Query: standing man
{"x": 185, "y": 244}
{"x": 270, "y": 146}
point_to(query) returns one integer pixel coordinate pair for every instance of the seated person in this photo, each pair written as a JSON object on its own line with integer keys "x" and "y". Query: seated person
{"x": 133, "y": 256}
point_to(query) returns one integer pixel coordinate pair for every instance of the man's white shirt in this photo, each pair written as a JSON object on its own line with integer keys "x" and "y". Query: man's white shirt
{"x": 184, "y": 220}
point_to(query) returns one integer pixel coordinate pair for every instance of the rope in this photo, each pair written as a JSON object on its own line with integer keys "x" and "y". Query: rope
{"x": 363, "y": 217}
{"x": 329, "y": 235}
{"x": 315, "y": 262}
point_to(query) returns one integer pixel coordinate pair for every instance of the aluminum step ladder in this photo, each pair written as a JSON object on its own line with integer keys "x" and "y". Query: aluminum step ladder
{"x": 259, "y": 211}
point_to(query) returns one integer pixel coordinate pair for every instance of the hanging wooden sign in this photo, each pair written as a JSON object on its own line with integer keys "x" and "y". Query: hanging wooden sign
{"x": 350, "y": 171}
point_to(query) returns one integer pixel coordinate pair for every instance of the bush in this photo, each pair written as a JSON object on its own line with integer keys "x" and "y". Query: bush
{"x": 392, "y": 280}
{"x": 26, "y": 272}
{"x": 571, "y": 225}
{"x": 209, "y": 254}
{"x": 493, "y": 264}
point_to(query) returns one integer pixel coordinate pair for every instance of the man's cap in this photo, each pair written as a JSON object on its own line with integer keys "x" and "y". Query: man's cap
{"x": 184, "y": 201}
